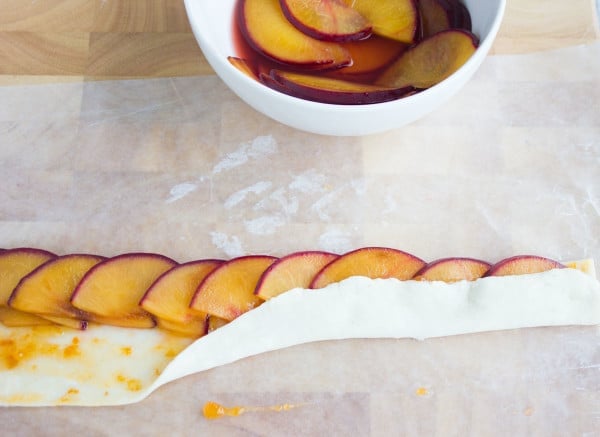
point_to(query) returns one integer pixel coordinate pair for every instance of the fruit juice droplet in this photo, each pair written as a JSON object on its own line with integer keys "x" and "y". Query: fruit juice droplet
{"x": 528, "y": 411}
{"x": 421, "y": 391}
{"x": 72, "y": 350}
{"x": 213, "y": 410}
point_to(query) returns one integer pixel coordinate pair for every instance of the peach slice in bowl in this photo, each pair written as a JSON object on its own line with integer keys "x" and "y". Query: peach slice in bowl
{"x": 214, "y": 26}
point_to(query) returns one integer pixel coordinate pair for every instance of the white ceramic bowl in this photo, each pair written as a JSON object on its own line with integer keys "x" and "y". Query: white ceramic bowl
{"x": 212, "y": 21}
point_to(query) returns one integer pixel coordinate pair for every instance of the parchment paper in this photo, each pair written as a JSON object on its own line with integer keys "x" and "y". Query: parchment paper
{"x": 182, "y": 167}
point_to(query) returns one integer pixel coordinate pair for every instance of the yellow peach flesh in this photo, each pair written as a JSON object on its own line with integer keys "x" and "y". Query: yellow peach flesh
{"x": 47, "y": 290}
{"x": 194, "y": 328}
{"x": 15, "y": 318}
{"x": 111, "y": 291}
{"x": 523, "y": 265}
{"x": 294, "y": 271}
{"x": 430, "y": 61}
{"x": 371, "y": 54}
{"x": 327, "y": 19}
{"x": 228, "y": 291}
{"x": 434, "y": 17}
{"x": 453, "y": 269}
{"x": 395, "y": 19}
{"x": 372, "y": 262}
{"x": 170, "y": 296}
{"x": 270, "y": 32}
{"x": 14, "y": 265}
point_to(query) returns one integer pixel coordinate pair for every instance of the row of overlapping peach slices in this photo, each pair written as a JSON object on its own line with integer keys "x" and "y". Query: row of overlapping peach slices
{"x": 147, "y": 290}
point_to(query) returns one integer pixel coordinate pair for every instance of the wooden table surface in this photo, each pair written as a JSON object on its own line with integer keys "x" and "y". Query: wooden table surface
{"x": 70, "y": 40}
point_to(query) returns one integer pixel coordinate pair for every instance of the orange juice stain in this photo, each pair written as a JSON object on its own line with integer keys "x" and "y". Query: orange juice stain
{"x": 134, "y": 384}
{"x": 17, "y": 348}
{"x": 48, "y": 330}
{"x": 213, "y": 410}
{"x": 48, "y": 348}
{"x": 170, "y": 353}
{"x": 67, "y": 396}
{"x": 10, "y": 353}
{"x": 421, "y": 391}
{"x": 73, "y": 349}
{"x": 131, "y": 383}
{"x": 172, "y": 344}
{"x": 21, "y": 346}
{"x": 21, "y": 398}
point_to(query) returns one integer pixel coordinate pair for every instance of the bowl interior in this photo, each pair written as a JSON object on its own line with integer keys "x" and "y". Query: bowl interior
{"x": 212, "y": 23}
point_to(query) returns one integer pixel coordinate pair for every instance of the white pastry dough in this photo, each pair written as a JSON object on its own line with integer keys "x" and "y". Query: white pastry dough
{"x": 359, "y": 307}
{"x": 355, "y": 308}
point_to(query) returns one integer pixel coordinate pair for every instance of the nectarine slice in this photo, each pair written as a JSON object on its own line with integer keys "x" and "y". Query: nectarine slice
{"x": 296, "y": 270}
{"x": 431, "y": 60}
{"x": 243, "y": 66}
{"x": 372, "y": 262}
{"x": 68, "y": 322}
{"x": 15, "y": 318}
{"x": 14, "y": 265}
{"x": 464, "y": 22}
{"x": 111, "y": 290}
{"x": 460, "y": 17}
{"x": 395, "y": 19}
{"x": 371, "y": 54}
{"x": 269, "y": 32}
{"x": 169, "y": 297}
{"x": 268, "y": 80}
{"x": 436, "y": 16}
{"x": 215, "y": 322}
{"x": 335, "y": 91}
{"x": 228, "y": 291}
{"x": 453, "y": 269}
{"x": 47, "y": 290}
{"x": 522, "y": 265}
{"x": 194, "y": 328}
{"x": 328, "y": 20}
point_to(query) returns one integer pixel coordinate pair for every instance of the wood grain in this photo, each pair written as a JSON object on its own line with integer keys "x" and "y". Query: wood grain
{"x": 34, "y": 53}
{"x": 144, "y": 54}
{"x": 46, "y": 16}
{"x": 127, "y": 16}
{"x": 531, "y": 25}
{"x": 58, "y": 40}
